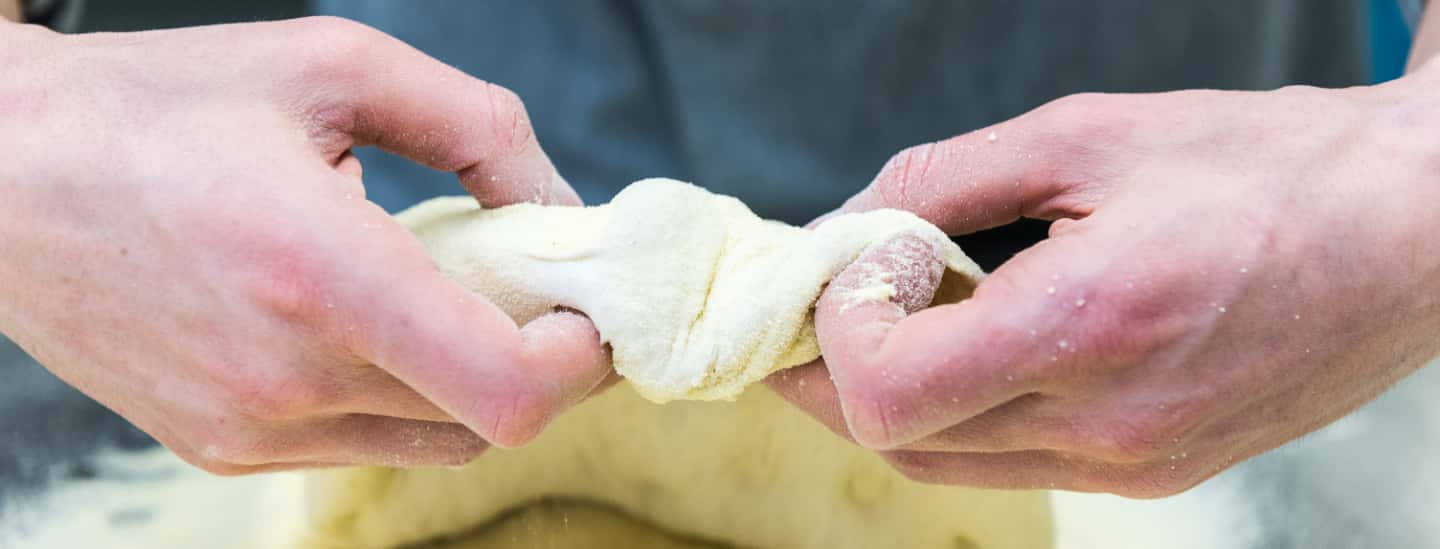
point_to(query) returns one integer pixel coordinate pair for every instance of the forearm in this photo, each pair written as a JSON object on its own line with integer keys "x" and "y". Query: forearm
{"x": 1427, "y": 39}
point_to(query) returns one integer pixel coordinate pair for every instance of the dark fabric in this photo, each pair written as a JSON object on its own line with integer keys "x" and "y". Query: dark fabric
{"x": 61, "y": 15}
{"x": 792, "y": 106}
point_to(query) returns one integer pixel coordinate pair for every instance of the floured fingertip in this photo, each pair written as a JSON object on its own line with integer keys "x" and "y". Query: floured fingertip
{"x": 566, "y": 346}
{"x": 904, "y": 272}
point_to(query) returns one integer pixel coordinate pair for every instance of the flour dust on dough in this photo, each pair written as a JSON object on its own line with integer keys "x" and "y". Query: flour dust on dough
{"x": 698, "y": 298}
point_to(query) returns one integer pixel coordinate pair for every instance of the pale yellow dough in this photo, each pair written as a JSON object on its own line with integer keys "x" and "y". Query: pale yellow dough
{"x": 698, "y": 298}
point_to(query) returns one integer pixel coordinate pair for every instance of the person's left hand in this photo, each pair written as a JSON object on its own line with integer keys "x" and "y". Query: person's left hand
{"x": 1227, "y": 271}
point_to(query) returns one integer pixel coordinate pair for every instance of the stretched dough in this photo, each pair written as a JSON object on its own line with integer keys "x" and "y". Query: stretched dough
{"x": 698, "y": 298}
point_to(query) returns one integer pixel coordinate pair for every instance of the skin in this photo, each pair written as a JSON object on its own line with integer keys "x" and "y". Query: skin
{"x": 10, "y": 9}
{"x": 1226, "y": 271}
{"x": 195, "y": 250}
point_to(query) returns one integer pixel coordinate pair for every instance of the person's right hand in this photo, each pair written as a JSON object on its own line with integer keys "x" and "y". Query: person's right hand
{"x": 185, "y": 237}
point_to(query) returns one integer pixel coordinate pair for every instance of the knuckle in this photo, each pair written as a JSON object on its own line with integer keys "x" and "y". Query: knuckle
{"x": 901, "y": 181}
{"x": 288, "y": 282}
{"x": 509, "y": 130}
{"x": 1131, "y": 327}
{"x": 332, "y": 57}
{"x": 283, "y": 396}
{"x": 331, "y": 42}
{"x": 1079, "y": 131}
{"x": 1146, "y": 437}
{"x": 1079, "y": 111}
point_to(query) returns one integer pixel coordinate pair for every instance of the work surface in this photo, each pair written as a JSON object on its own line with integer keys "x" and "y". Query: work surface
{"x": 71, "y": 471}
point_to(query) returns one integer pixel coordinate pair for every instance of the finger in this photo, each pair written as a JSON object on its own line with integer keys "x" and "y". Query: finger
{"x": 363, "y": 440}
{"x": 375, "y": 89}
{"x": 504, "y": 383}
{"x": 565, "y": 348}
{"x": 901, "y": 379}
{"x": 911, "y": 378}
{"x": 460, "y": 352}
{"x": 1048, "y": 321}
{"x": 854, "y": 320}
{"x": 391, "y": 442}
{"x": 1052, "y": 162}
{"x": 809, "y": 388}
{"x": 206, "y": 458}
{"x": 366, "y": 389}
{"x": 1042, "y": 469}
{"x": 1026, "y": 470}
{"x": 883, "y": 285}
{"x": 1018, "y": 425}
{"x": 1026, "y": 423}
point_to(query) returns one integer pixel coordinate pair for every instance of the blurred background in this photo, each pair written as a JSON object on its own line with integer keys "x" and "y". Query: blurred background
{"x": 1389, "y": 30}
{"x": 1368, "y": 481}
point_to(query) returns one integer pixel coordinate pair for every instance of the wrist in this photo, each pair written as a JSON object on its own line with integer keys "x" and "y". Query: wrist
{"x": 1404, "y": 115}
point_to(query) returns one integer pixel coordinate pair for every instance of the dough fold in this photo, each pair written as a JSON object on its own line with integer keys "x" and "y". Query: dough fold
{"x": 697, "y": 296}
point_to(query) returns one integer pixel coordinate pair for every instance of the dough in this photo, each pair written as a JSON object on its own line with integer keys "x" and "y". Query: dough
{"x": 572, "y": 525}
{"x": 750, "y": 473}
{"x": 698, "y": 298}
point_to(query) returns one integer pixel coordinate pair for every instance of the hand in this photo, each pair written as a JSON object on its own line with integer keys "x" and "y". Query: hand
{"x": 185, "y": 237}
{"x": 1226, "y": 272}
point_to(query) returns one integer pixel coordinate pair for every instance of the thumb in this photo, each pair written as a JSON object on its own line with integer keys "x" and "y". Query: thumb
{"x": 853, "y": 317}
{"x": 465, "y": 355}
{"x": 903, "y": 381}
{"x": 900, "y": 379}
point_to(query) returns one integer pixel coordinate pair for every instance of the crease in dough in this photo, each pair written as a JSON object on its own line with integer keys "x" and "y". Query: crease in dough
{"x": 697, "y": 296}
